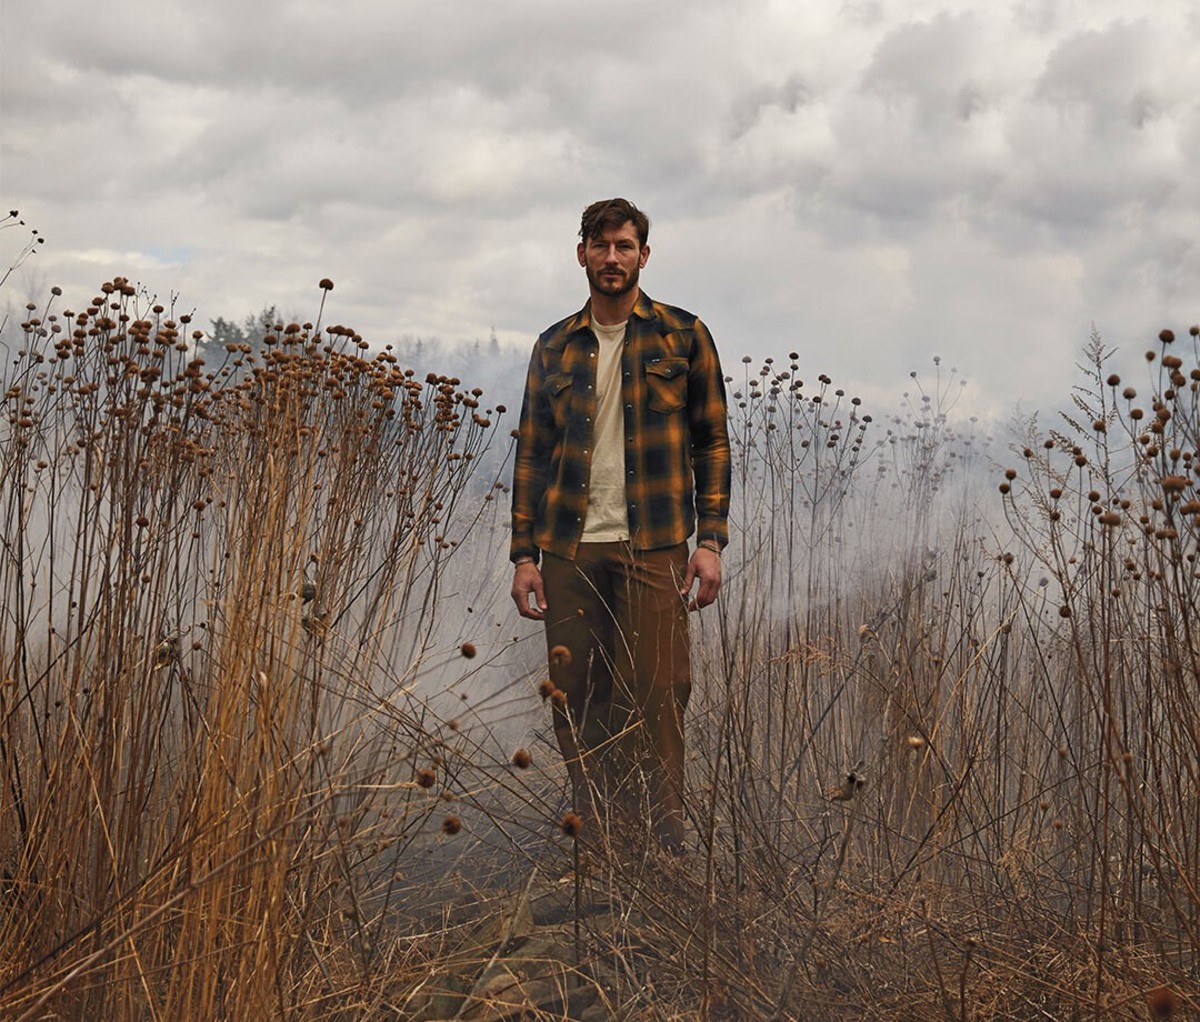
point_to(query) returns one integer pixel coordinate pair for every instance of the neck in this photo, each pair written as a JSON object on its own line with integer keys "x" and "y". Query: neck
{"x": 608, "y": 310}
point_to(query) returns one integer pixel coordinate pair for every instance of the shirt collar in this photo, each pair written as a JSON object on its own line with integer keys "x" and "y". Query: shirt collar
{"x": 581, "y": 322}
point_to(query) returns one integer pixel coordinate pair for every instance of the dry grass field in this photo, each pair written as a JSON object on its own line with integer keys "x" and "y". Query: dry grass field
{"x": 271, "y": 744}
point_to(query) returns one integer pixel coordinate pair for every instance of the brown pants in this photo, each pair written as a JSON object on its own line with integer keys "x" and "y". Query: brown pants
{"x": 618, "y": 614}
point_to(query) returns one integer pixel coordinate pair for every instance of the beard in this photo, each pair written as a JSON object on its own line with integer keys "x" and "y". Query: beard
{"x": 612, "y": 289}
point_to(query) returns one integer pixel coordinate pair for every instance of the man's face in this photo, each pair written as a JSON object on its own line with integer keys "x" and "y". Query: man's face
{"x": 613, "y": 260}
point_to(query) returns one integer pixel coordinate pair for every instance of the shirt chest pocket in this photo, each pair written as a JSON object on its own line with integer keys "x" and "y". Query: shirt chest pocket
{"x": 558, "y": 392}
{"x": 666, "y": 384}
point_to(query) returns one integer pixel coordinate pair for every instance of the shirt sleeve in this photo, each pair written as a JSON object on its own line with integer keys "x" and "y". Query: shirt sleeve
{"x": 708, "y": 422}
{"x": 535, "y": 443}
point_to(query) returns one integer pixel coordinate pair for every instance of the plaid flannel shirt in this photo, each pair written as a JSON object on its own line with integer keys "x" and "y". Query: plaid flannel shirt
{"x": 677, "y": 460}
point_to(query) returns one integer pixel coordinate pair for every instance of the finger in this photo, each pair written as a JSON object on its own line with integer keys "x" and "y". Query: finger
{"x": 539, "y": 592}
{"x": 527, "y": 609}
{"x": 709, "y": 586}
{"x": 520, "y": 595}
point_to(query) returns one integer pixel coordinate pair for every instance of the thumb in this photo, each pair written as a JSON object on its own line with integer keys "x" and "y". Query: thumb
{"x": 689, "y": 577}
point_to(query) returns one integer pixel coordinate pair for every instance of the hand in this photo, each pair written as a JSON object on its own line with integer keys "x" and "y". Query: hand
{"x": 527, "y": 580}
{"x": 705, "y": 566}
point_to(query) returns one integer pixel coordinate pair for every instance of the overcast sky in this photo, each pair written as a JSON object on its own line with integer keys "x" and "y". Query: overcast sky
{"x": 869, "y": 184}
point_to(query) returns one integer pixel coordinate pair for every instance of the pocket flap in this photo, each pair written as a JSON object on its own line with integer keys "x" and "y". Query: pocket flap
{"x": 667, "y": 368}
{"x": 557, "y": 383}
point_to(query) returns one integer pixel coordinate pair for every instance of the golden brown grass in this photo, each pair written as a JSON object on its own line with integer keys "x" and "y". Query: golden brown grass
{"x": 261, "y": 751}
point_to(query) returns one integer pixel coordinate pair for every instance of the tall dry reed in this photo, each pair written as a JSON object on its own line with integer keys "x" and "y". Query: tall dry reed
{"x": 218, "y": 585}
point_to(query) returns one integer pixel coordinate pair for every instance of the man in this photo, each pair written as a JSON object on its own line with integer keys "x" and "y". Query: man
{"x": 623, "y": 453}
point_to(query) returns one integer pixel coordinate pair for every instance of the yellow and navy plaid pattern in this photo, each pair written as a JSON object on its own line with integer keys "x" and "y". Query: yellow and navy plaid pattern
{"x": 677, "y": 462}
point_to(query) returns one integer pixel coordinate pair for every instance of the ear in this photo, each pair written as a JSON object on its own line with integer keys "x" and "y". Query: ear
{"x": 645, "y": 254}
{"x": 579, "y": 252}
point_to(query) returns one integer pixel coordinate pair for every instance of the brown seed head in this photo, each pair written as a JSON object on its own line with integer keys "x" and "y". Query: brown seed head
{"x": 467, "y": 649}
{"x": 560, "y": 656}
{"x": 1162, "y": 1001}
{"x": 325, "y": 284}
{"x": 572, "y": 826}
{"x": 1166, "y": 336}
{"x": 451, "y": 825}
{"x": 521, "y": 759}
{"x": 546, "y": 689}
{"x": 427, "y": 777}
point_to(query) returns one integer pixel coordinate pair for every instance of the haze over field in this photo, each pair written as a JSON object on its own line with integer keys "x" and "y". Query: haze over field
{"x": 867, "y": 183}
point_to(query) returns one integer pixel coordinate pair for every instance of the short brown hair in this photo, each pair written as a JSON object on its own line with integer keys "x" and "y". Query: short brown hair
{"x": 610, "y": 214}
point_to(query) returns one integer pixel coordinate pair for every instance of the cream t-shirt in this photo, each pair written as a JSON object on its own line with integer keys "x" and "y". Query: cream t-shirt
{"x": 607, "y": 517}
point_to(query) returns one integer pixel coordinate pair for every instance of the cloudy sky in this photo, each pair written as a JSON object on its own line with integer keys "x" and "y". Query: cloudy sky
{"x": 869, "y": 183}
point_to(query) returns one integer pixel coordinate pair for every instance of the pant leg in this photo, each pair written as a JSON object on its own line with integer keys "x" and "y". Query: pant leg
{"x": 652, "y": 676}
{"x": 579, "y": 639}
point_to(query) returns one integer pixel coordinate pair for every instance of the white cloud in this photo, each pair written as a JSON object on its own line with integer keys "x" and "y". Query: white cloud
{"x": 870, "y": 183}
